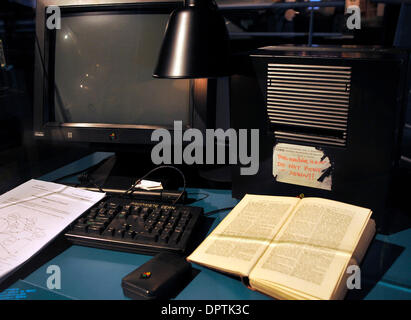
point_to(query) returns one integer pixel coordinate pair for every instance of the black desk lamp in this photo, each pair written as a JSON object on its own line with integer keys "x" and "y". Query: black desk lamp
{"x": 196, "y": 43}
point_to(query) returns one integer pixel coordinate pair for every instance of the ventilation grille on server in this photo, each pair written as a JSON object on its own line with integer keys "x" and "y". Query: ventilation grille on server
{"x": 309, "y": 103}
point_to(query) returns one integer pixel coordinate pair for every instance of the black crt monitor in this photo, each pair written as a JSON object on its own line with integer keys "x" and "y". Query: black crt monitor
{"x": 93, "y": 77}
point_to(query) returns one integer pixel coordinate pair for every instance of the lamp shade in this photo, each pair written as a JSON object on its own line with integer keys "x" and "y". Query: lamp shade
{"x": 196, "y": 43}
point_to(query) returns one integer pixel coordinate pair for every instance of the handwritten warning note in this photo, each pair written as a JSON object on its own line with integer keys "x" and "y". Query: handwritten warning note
{"x": 302, "y": 165}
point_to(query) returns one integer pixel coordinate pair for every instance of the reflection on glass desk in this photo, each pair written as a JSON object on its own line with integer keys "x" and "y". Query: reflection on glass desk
{"x": 89, "y": 273}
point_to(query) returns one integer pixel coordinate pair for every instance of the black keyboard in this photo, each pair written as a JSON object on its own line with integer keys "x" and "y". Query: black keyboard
{"x": 136, "y": 226}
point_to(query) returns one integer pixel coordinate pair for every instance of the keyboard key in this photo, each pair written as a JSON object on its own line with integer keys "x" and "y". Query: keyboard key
{"x": 157, "y": 211}
{"x": 175, "y": 237}
{"x": 146, "y": 227}
{"x": 186, "y": 215}
{"x": 101, "y": 218}
{"x": 139, "y": 221}
{"x": 148, "y": 236}
{"x": 182, "y": 223}
{"x": 153, "y": 216}
{"x": 164, "y": 238}
{"x": 176, "y": 214}
{"x": 142, "y": 216}
{"x": 99, "y": 224}
{"x": 80, "y": 228}
{"x": 82, "y": 220}
{"x": 163, "y": 218}
{"x": 156, "y": 230}
{"x": 129, "y": 234}
{"x": 109, "y": 232}
{"x": 170, "y": 225}
{"x": 119, "y": 233}
{"x": 111, "y": 212}
{"x": 136, "y": 209}
{"x": 90, "y": 215}
{"x": 173, "y": 219}
{"x": 113, "y": 205}
{"x": 122, "y": 215}
{"x": 94, "y": 230}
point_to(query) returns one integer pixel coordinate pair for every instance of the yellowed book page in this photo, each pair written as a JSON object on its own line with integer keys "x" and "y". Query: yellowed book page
{"x": 365, "y": 241}
{"x": 240, "y": 239}
{"x": 313, "y": 248}
{"x": 358, "y": 255}
{"x": 279, "y": 292}
{"x": 342, "y": 288}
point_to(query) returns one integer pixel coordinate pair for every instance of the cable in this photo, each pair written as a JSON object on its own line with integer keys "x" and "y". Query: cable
{"x": 131, "y": 190}
{"x": 80, "y": 171}
{"x": 86, "y": 180}
{"x": 205, "y": 196}
{"x": 217, "y": 211}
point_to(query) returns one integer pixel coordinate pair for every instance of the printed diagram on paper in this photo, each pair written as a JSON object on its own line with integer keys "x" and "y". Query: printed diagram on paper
{"x": 16, "y": 232}
{"x": 33, "y": 214}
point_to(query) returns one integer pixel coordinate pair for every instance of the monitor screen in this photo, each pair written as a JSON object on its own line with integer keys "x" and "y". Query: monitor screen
{"x": 103, "y": 67}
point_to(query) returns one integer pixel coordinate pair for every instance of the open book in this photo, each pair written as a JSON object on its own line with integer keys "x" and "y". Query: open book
{"x": 289, "y": 248}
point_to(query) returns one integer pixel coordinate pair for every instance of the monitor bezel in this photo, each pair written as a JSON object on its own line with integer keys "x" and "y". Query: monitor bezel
{"x": 101, "y": 133}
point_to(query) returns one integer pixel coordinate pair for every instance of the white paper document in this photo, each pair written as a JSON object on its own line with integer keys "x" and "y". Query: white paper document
{"x": 149, "y": 185}
{"x": 33, "y": 214}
